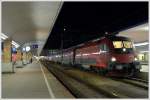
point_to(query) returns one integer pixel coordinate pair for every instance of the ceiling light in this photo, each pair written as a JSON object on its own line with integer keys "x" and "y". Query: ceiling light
{"x": 145, "y": 28}
{"x": 143, "y": 51}
{"x": 141, "y": 44}
{"x": 3, "y": 36}
{"x": 15, "y": 44}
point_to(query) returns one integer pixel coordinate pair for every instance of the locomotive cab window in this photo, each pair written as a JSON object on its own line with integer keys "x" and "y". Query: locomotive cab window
{"x": 123, "y": 46}
{"x": 127, "y": 44}
{"x": 117, "y": 44}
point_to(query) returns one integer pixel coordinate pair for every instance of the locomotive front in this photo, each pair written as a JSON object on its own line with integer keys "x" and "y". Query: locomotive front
{"x": 123, "y": 56}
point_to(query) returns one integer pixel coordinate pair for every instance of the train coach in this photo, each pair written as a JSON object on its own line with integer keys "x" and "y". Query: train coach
{"x": 109, "y": 55}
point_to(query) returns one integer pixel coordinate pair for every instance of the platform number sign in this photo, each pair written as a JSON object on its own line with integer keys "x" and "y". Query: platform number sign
{"x": 34, "y": 46}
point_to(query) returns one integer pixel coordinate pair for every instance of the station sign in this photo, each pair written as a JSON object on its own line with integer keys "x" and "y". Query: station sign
{"x": 34, "y": 46}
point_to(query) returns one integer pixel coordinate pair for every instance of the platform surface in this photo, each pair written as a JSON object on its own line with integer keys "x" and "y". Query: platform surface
{"x": 32, "y": 81}
{"x": 145, "y": 68}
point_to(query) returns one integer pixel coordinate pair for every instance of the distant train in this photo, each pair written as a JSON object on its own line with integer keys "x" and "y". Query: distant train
{"x": 109, "y": 55}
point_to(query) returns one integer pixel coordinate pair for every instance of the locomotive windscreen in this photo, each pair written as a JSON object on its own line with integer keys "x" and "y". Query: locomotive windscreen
{"x": 123, "y": 46}
{"x": 127, "y": 44}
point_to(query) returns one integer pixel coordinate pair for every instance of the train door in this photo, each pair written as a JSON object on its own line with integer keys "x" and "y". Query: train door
{"x": 103, "y": 55}
{"x": 107, "y": 54}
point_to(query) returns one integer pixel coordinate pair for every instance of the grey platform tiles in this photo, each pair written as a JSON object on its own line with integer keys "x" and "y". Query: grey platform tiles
{"x": 29, "y": 82}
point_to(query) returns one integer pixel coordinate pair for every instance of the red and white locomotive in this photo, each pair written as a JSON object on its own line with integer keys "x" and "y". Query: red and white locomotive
{"x": 108, "y": 55}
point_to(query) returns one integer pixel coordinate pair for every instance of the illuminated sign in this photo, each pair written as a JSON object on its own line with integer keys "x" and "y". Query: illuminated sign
{"x": 34, "y": 46}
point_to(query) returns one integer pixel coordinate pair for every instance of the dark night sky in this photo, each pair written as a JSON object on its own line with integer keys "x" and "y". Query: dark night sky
{"x": 84, "y": 21}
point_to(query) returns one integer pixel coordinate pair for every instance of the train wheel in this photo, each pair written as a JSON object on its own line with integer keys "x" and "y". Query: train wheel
{"x": 136, "y": 72}
{"x": 133, "y": 72}
{"x": 97, "y": 70}
{"x": 102, "y": 72}
{"x": 92, "y": 68}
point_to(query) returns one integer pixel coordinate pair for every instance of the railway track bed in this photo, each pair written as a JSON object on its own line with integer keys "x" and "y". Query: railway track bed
{"x": 102, "y": 87}
{"x": 142, "y": 84}
{"x": 78, "y": 89}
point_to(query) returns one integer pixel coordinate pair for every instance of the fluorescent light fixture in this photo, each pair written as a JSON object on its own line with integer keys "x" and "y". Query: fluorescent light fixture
{"x": 145, "y": 28}
{"x": 15, "y": 44}
{"x": 141, "y": 44}
{"x": 3, "y": 36}
{"x": 143, "y": 51}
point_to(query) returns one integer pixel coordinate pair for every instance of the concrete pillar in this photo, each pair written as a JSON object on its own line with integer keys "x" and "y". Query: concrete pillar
{"x": 29, "y": 56}
{"x": 19, "y": 59}
{"x": 7, "y": 65}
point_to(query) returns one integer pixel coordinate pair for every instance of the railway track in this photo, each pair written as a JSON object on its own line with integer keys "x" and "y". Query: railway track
{"x": 77, "y": 88}
{"x": 138, "y": 79}
{"x": 100, "y": 87}
{"x": 129, "y": 80}
{"x": 135, "y": 82}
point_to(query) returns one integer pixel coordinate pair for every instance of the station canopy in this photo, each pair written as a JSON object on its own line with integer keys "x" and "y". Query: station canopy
{"x": 29, "y": 22}
{"x": 79, "y": 22}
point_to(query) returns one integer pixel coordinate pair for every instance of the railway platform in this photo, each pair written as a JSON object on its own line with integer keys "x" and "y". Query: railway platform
{"x": 32, "y": 81}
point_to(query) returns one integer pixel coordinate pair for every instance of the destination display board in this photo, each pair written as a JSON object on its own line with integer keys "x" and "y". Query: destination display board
{"x": 34, "y": 46}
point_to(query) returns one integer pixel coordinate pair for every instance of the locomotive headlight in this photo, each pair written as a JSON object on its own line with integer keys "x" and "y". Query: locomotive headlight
{"x": 113, "y": 59}
{"x": 124, "y": 49}
{"x": 135, "y": 59}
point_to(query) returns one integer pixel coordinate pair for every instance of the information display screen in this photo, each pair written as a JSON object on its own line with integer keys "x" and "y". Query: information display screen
{"x": 34, "y": 46}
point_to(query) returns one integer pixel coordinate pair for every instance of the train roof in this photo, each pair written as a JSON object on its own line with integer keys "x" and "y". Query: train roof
{"x": 111, "y": 37}
{"x": 118, "y": 38}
